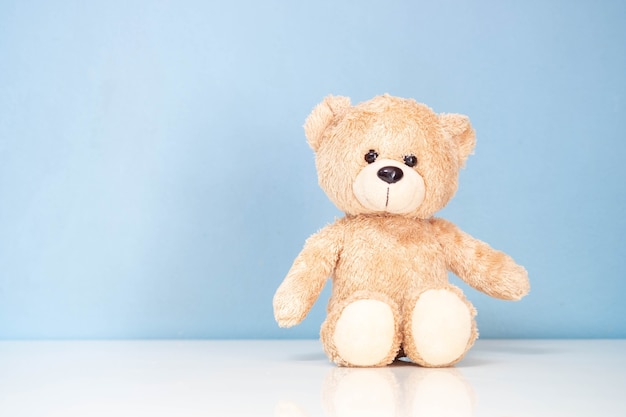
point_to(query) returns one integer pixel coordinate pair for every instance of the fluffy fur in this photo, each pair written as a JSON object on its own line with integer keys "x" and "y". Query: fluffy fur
{"x": 400, "y": 260}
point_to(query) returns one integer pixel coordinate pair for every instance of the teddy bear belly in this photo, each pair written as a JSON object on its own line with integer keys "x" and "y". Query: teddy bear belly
{"x": 398, "y": 276}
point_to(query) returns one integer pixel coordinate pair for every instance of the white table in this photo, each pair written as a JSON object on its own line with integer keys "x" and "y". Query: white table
{"x": 506, "y": 378}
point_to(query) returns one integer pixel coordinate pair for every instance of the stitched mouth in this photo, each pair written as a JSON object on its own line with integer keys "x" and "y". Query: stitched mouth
{"x": 387, "y": 200}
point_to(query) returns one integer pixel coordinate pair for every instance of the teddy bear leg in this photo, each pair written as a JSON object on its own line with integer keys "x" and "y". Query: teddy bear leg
{"x": 363, "y": 330}
{"x": 440, "y": 328}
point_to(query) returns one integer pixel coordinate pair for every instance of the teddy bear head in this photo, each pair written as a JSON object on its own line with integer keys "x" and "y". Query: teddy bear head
{"x": 388, "y": 155}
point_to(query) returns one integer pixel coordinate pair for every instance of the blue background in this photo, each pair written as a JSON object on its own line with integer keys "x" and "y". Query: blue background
{"x": 155, "y": 181}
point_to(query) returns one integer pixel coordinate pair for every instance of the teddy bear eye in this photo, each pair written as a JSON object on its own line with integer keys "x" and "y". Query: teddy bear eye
{"x": 410, "y": 160}
{"x": 371, "y": 156}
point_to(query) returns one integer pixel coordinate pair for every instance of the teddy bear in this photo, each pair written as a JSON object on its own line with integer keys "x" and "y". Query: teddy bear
{"x": 390, "y": 164}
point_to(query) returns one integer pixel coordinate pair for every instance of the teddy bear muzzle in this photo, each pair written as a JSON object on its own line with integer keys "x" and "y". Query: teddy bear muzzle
{"x": 387, "y": 186}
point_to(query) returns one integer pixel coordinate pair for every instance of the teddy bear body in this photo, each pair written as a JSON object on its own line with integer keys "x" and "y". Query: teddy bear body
{"x": 385, "y": 255}
{"x": 390, "y": 164}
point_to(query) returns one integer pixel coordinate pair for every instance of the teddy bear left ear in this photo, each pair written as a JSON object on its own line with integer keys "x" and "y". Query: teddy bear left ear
{"x": 323, "y": 115}
{"x": 460, "y": 130}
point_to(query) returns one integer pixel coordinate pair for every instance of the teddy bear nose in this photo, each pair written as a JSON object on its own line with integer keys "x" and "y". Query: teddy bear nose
{"x": 390, "y": 174}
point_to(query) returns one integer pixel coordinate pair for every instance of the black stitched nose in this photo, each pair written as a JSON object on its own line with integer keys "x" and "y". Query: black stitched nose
{"x": 390, "y": 174}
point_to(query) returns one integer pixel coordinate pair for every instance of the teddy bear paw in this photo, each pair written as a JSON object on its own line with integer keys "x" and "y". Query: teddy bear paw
{"x": 442, "y": 328}
{"x": 288, "y": 312}
{"x": 364, "y": 333}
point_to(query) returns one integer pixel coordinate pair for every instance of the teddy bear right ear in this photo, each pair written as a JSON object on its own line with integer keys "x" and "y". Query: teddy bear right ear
{"x": 322, "y": 116}
{"x": 460, "y": 129}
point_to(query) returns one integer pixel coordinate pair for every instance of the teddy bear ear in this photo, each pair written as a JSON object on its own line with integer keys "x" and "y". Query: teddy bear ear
{"x": 460, "y": 130}
{"x": 323, "y": 115}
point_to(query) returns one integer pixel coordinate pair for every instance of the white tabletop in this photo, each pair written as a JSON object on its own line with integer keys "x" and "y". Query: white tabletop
{"x": 506, "y": 378}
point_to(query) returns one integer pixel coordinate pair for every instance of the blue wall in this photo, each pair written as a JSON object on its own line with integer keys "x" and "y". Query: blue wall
{"x": 155, "y": 181}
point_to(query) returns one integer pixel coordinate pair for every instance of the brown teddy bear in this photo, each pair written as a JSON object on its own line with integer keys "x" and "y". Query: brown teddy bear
{"x": 390, "y": 163}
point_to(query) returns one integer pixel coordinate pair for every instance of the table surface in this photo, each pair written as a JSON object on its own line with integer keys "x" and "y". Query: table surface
{"x": 506, "y": 378}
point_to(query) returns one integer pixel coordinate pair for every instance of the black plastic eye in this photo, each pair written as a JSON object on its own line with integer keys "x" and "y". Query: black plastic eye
{"x": 410, "y": 160}
{"x": 371, "y": 156}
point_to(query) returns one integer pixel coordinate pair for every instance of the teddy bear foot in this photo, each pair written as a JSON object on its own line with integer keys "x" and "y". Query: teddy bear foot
{"x": 364, "y": 334}
{"x": 440, "y": 329}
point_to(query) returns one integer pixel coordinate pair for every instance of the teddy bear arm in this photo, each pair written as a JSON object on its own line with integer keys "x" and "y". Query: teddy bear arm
{"x": 488, "y": 270}
{"x": 306, "y": 278}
